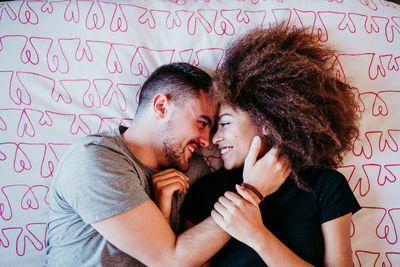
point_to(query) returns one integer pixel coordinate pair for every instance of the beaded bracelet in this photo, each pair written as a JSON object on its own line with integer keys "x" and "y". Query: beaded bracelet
{"x": 254, "y": 190}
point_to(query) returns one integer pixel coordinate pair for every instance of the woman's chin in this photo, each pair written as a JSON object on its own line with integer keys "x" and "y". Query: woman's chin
{"x": 231, "y": 165}
{"x": 227, "y": 165}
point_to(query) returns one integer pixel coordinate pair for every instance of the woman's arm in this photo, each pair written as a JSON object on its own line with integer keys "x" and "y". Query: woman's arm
{"x": 241, "y": 218}
{"x": 337, "y": 241}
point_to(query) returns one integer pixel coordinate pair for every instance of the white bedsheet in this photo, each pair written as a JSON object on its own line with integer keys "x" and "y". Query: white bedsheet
{"x": 72, "y": 68}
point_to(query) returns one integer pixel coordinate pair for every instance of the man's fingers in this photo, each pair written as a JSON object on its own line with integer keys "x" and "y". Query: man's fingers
{"x": 174, "y": 174}
{"x": 168, "y": 173}
{"x": 172, "y": 180}
{"x": 163, "y": 172}
{"x": 253, "y": 152}
{"x": 171, "y": 188}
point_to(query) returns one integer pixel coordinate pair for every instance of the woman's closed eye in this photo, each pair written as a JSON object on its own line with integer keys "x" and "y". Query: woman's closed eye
{"x": 223, "y": 124}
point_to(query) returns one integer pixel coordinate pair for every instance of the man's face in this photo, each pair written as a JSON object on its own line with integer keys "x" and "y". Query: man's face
{"x": 188, "y": 128}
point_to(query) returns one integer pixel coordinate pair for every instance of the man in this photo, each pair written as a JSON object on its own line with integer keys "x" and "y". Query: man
{"x": 101, "y": 213}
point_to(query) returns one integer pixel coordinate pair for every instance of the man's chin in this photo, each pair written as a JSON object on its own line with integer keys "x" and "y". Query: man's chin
{"x": 182, "y": 166}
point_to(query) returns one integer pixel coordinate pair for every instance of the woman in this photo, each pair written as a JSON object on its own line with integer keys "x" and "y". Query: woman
{"x": 279, "y": 85}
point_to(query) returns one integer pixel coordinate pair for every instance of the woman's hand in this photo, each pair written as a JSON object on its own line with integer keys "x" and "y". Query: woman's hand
{"x": 266, "y": 174}
{"x": 165, "y": 183}
{"x": 239, "y": 217}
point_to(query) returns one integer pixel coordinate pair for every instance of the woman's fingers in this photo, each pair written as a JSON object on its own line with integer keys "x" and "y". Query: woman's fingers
{"x": 253, "y": 152}
{"x": 237, "y": 216}
{"x": 220, "y": 207}
{"x": 218, "y": 219}
{"x": 230, "y": 203}
{"x": 233, "y": 198}
{"x": 270, "y": 156}
{"x": 267, "y": 173}
{"x": 247, "y": 195}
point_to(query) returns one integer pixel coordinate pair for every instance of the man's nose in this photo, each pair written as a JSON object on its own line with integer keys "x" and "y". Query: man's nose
{"x": 204, "y": 139}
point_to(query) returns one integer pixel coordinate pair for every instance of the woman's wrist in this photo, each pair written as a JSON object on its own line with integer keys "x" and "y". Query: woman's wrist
{"x": 254, "y": 191}
{"x": 248, "y": 195}
{"x": 259, "y": 240}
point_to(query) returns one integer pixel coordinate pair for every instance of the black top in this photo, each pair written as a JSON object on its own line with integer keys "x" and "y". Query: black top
{"x": 293, "y": 215}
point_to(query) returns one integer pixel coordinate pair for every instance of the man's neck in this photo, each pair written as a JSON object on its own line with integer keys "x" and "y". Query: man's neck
{"x": 141, "y": 143}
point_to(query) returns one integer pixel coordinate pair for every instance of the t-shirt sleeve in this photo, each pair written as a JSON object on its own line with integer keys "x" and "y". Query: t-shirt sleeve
{"x": 98, "y": 183}
{"x": 335, "y": 196}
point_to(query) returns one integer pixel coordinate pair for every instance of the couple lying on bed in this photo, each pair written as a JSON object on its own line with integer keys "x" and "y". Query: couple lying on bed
{"x": 284, "y": 122}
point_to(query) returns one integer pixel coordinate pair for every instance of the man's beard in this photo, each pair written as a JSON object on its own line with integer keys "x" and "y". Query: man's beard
{"x": 173, "y": 153}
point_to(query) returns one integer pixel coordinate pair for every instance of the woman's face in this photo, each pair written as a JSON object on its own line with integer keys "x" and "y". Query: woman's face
{"x": 234, "y": 136}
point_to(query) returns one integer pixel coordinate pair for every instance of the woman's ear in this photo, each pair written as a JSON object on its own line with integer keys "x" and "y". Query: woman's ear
{"x": 161, "y": 105}
{"x": 264, "y": 131}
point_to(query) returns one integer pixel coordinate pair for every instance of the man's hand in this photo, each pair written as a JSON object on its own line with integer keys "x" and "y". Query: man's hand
{"x": 165, "y": 183}
{"x": 266, "y": 174}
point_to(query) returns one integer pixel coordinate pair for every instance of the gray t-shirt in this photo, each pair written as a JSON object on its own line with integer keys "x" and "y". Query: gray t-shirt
{"x": 97, "y": 178}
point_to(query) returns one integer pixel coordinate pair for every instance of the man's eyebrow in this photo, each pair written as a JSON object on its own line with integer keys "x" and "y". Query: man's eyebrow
{"x": 209, "y": 121}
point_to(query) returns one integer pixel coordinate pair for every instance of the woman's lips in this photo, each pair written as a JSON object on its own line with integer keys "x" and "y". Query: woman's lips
{"x": 225, "y": 150}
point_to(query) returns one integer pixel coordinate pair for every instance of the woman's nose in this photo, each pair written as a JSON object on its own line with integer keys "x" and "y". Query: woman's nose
{"x": 217, "y": 138}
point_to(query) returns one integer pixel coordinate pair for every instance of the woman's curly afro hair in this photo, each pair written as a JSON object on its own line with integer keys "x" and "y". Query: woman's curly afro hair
{"x": 286, "y": 84}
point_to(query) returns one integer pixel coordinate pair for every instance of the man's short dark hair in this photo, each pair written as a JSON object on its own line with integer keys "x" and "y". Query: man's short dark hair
{"x": 179, "y": 81}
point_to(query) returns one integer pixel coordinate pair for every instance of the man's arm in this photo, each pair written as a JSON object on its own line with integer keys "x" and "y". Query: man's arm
{"x": 144, "y": 234}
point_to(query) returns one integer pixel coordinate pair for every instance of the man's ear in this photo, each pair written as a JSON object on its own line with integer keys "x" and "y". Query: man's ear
{"x": 161, "y": 105}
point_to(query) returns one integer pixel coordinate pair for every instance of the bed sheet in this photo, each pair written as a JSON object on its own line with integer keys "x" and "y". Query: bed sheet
{"x": 73, "y": 68}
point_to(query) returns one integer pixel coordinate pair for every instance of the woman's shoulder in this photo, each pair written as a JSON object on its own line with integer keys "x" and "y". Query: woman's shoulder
{"x": 333, "y": 194}
{"x": 323, "y": 178}
{"x": 330, "y": 184}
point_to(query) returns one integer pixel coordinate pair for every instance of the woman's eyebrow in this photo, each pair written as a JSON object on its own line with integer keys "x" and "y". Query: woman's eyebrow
{"x": 225, "y": 114}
